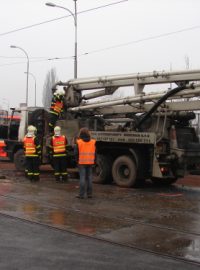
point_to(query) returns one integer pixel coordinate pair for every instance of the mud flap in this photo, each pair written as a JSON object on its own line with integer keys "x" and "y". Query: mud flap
{"x": 156, "y": 169}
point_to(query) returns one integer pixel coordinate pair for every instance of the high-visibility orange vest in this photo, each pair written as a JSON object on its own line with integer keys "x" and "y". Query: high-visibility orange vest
{"x": 59, "y": 144}
{"x": 57, "y": 106}
{"x": 2, "y": 146}
{"x": 30, "y": 146}
{"x": 86, "y": 151}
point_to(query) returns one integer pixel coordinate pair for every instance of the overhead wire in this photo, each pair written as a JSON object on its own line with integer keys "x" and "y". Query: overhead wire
{"x": 92, "y": 51}
{"x": 143, "y": 39}
{"x": 112, "y": 47}
{"x": 48, "y": 21}
{"x": 36, "y": 61}
{"x": 60, "y": 18}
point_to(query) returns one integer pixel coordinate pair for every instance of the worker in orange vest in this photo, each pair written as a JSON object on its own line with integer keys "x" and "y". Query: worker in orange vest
{"x": 58, "y": 152}
{"x": 32, "y": 150}
{"x": 56, "y": 108}
{"x": 85, "y": 153}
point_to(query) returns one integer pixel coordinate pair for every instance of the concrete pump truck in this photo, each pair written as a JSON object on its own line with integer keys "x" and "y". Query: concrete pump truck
{"x": 141, "y": 136}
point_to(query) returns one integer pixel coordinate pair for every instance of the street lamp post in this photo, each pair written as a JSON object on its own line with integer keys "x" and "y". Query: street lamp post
{"x": 13, "y": 46}
{"x": 74, "y": 15}
{"x": 35, "y": 85}
{"x": 7, "y": 103}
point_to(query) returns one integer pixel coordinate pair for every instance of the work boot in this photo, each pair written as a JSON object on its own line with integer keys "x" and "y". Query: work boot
{"x": 26, "y": 173}
{"x": 57, "y": 177}
{"x": 30, "y": 177}
{"x": 64, "y": 178}
{"x": 79, "y": 197}
{"x": 36, "y": 178}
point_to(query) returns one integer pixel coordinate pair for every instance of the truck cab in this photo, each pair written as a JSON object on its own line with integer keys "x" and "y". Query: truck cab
{"x": 16, "y": 130}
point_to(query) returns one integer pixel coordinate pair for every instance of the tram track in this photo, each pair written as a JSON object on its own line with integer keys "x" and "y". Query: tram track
{"x": 96, "y": 238}
{"x": 128, "y": 219}
{"x": 79, "y": 209}
{"x": 131, "y": 221}
{"x": 173, "y": 212}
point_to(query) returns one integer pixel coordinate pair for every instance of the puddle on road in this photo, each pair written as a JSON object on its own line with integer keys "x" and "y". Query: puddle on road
{"x": 157, "y": 240}
{"x": 114, "y": 214}
{"x": 71, "y": 220}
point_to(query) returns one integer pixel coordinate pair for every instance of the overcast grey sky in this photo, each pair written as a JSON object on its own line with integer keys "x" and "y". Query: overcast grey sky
{"x": 128, "y": 37}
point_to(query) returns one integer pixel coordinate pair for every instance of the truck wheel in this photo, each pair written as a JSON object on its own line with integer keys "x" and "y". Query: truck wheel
{"x": 124, "y": 171}
{"x": 102, "y": 170}
{"x": 19, "y": 160}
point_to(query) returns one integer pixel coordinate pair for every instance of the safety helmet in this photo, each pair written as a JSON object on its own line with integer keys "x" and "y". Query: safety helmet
{"x": 31, "y": 131}
{"x": 60, "y": 92}
{"x": 57, "y": 131}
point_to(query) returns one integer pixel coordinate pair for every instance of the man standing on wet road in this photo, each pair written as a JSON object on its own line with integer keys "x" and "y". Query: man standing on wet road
{"x": 85, "y": 153}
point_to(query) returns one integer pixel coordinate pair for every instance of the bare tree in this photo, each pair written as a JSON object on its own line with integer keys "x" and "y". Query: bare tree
{"x": 187, "y": 62}
{"x": 50, "y": 80}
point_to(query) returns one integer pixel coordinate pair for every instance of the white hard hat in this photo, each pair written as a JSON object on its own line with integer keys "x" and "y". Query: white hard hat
{"x": 57, "y": 131}
{"x": 57, "y": 128}
{"x": 31, "y": 129}
{"x": 60, "y": 92}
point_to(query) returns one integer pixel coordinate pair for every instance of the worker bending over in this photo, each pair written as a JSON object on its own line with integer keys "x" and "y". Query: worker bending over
{"x": 32, "y": 150}
{"x": 58, "y": 154}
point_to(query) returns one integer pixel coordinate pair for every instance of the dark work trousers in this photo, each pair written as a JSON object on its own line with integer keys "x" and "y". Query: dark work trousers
{"x": 52, "y": 121}
{"x": 32, "y": 168}
{"x": 85, "y": 173}
{"x": 60, "y": 167}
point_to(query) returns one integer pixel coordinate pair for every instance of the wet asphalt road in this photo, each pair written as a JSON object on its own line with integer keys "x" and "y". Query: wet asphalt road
{"x": 164, "y": 220}
{"x": 25, "y": 245}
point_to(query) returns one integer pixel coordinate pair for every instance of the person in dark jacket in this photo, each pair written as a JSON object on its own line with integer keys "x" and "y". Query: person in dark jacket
{"x": 85, "y": 154}
{"x": 32, "y": 150}
{"x": 56, "y": 108}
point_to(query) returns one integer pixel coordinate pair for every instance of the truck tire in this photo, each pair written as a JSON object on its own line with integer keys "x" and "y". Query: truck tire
{"x": 19, "y": 160}
{"x": 102, "y": 170}
{"x": 124, "y": 171}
